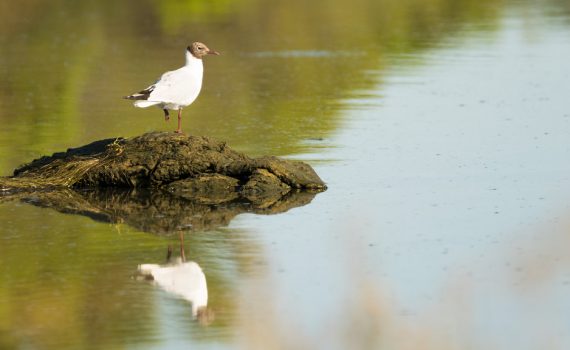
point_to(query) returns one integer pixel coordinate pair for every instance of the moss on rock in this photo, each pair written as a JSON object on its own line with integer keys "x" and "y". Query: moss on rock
{"x": 189, "y": 166}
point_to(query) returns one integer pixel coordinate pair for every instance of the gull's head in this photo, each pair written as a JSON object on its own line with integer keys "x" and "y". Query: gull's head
{"x": 200, "y": 50}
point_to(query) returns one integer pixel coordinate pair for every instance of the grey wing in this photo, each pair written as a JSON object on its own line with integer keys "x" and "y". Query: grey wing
{"x": 170, "y": 87}
{"x": 145, "y": 94}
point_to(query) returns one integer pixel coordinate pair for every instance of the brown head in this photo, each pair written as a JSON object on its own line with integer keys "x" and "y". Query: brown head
{"x": 200, "y": 50}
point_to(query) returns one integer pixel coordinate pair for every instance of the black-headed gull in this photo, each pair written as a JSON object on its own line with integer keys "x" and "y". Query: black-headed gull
{"x": 182, "y": 278}
{"x": 178, "y": 88}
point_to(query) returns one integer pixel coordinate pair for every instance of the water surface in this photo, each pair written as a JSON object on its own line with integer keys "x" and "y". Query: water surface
{"x": 439, "y": 127}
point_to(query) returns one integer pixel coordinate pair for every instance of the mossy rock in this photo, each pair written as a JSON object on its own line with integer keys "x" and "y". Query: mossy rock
{"x": 189, "y": 166}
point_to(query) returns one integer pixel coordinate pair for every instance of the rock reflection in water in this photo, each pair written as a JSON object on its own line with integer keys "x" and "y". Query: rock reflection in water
{"x": 157, "y": 211}
{"x": 184, "y": 279}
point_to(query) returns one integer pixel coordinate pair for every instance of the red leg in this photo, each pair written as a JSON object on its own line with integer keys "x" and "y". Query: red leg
{"x": 169, "y": 253}
{"x": 179, "y": 130}
{"x": 182, "y": 256}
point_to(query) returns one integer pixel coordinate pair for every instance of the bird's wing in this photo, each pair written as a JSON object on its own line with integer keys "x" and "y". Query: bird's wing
{"x": 175, "y": 86}
{"x": 145, "y": 93}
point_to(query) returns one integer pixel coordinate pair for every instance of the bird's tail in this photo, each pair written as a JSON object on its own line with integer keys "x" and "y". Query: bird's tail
{"x": 147, "y": 269}
{"x": 144, "y": 104}
{"x": 141, "y": 97}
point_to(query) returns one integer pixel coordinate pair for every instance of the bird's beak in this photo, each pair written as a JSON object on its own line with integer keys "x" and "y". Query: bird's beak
{"x": 212, "y": 52}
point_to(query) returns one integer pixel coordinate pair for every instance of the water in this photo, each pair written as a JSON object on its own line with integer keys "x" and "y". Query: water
{"x": 439, "y": 128}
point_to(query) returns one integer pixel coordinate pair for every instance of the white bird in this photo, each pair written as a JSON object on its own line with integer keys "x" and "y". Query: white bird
{"x": 184, "y": 279}
{"x": 178, "y": 88}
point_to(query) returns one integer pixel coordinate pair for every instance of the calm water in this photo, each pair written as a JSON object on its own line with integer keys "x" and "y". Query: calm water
{"x": 440, "y": 128}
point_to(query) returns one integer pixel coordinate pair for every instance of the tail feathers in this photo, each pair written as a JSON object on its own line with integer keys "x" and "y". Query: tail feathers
{"x": 141, "y": 95}
{"x": 148, "y": 269}
{"x": 144, "y": 104}
{"x": 135, "y": 97}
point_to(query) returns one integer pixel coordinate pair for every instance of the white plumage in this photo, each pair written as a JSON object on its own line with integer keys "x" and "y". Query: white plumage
{"x": 178, "y": 88}
{"x": 185, "y": 279}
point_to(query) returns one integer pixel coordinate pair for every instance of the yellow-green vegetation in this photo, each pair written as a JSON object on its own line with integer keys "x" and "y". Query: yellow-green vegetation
{"x": 286, "y": 66}
{"x": 72, "y": 291}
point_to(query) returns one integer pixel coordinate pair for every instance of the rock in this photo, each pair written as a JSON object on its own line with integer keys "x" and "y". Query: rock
{"x": 264, "y": 187}
{"x": 293, "y": 173}
{"x": 206, "y": 189}
{"x": 193, "y": 167}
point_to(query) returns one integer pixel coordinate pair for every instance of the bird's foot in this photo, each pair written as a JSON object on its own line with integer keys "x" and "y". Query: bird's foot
{"x": 178, "y": 131}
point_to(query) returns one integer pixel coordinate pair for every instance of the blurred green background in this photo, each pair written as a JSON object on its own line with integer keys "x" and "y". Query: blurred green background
{"x": 287, "y": 70}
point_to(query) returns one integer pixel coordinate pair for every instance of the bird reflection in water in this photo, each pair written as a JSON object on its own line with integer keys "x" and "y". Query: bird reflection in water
{"x": 181, "y": 278}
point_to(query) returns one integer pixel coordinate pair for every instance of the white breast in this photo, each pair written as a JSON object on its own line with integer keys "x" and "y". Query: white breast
{"x": 179, "y": 88}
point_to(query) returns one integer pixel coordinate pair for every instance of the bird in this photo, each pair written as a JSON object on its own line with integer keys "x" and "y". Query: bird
{"x": 176, "y": 89}
{"x": 184, "y": 279}
{"x": 181, "y": 278}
